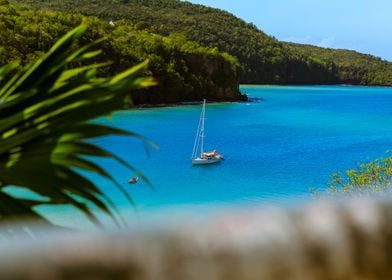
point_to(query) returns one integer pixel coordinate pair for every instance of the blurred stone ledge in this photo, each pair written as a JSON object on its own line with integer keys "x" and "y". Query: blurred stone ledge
{"x": 345, "y": 240}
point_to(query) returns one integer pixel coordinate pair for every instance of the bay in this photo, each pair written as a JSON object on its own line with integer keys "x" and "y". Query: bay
{"x": 287, "y": 140}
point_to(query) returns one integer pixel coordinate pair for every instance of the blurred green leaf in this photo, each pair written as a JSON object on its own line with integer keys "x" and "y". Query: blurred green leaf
{"x": 45, "y": 112}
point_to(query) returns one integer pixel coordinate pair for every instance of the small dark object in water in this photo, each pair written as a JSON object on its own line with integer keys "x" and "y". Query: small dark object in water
{"x": 133, "y": 180}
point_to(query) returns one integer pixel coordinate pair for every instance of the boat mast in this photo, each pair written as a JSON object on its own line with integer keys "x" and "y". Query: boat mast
{"x": 202, "y": 127}
{"x": 198, "y": 134}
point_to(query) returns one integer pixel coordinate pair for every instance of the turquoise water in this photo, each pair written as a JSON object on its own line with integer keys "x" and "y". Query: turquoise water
{"x": 276, "y": 148}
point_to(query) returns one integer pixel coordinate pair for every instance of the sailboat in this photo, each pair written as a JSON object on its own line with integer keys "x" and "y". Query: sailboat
{"x": 199, "y": 156}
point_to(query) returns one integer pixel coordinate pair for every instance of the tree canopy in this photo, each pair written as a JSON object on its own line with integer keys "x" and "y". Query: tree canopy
{"x": 186, "y": 71}
{"x": 263, "y": 58}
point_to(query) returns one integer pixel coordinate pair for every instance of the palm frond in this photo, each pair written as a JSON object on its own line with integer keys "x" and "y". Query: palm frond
{"x": 45, "y": 114}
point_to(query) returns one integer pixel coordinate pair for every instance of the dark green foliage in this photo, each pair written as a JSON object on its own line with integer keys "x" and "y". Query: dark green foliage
{"x": 352, "y": 67}
{"x": 185, "y": 70}
{"x": 45, "y": 111}
{"x": 264, "y": 59}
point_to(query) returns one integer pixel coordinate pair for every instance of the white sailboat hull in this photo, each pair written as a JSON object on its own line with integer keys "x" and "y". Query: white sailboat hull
{"x": 202, "y": 161}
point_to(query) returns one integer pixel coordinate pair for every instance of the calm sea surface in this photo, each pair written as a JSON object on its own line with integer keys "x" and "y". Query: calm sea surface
{"x": 289, "y": 140}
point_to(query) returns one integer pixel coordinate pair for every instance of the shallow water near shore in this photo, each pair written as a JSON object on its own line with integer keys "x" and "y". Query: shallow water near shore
{"x": 277, "y": 148}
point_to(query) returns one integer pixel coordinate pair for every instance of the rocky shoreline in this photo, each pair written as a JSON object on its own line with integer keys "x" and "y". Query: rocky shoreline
{"x": 243, "y": 98}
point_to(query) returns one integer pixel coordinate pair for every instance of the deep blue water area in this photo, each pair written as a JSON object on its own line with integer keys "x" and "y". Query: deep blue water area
{"x": 290, "y": 139}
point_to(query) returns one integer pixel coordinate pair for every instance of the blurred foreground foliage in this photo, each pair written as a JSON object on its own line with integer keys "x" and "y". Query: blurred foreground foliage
{"x": 45, "y": 114}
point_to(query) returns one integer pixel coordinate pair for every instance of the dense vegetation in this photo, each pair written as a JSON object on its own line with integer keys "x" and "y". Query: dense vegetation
{"x": 352, "y": 67}
{"x": 264, "y": 59}
{"x": 185, "y": 70}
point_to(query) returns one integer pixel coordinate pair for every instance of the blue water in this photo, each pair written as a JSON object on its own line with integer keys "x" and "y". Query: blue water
{"x": 275, "y": 149}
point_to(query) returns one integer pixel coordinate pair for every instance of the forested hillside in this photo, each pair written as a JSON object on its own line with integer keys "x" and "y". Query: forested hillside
{"x": 264, "y": 59}
{"x": 353, "y": 67}
{"x": 185, "y": 70}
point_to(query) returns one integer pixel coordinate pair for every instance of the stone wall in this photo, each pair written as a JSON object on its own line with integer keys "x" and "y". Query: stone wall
{"x": 347, "y": 240}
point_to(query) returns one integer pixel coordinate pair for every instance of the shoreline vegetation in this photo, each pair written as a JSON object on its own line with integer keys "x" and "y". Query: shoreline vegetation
{"x": 185, "y": 71}
{"x": 194, "y": 52}
{"x": 263, "y": 58}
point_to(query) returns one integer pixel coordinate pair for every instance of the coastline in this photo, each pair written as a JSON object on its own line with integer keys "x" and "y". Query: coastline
{"x": 185, "y": 103}
{"x": 245, "y": 98}
{"x": 317, "y": 85}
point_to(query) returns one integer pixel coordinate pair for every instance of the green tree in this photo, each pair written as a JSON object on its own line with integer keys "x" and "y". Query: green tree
{"x": 45, "y": 113}
{"x": 368, "y": 178}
